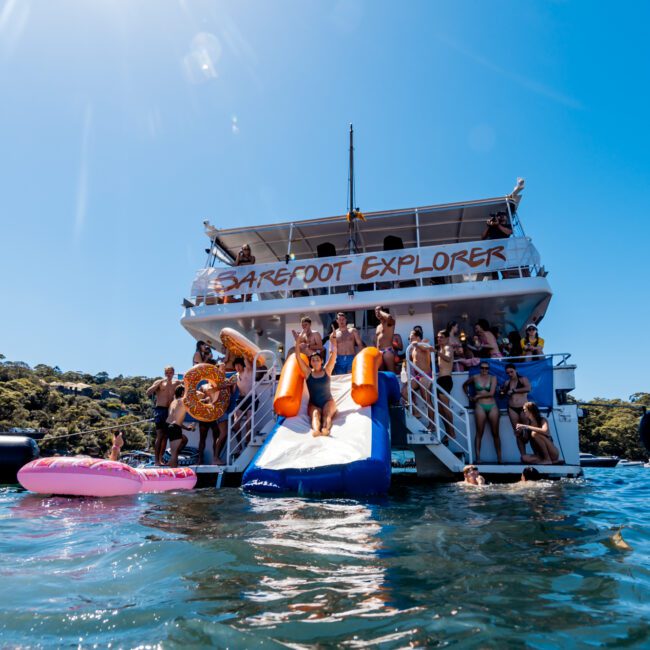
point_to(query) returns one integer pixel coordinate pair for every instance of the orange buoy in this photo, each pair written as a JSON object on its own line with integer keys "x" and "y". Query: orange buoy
{"x": 365, "y": 369}
{"x": 289, "y": 392}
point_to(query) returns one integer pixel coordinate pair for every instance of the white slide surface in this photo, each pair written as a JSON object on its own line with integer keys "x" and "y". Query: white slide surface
{"x": 350, "y": 439}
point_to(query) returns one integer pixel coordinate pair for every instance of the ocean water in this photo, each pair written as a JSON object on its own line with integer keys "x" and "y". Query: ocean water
{"x": 547, "y": 565}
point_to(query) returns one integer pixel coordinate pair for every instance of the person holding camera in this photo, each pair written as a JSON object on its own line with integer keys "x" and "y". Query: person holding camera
{"x": 245, "y": 257}
{"x": 532, "y": 346}
{"x": 498, "y": 226}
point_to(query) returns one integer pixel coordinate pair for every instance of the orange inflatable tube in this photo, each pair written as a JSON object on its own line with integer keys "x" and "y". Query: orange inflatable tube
{"x": 365, "y": 369}
{"x": 289, "y": 392}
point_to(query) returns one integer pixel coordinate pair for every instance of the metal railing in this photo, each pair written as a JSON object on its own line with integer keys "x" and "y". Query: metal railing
{"x": 447, "y": 418}
{"x": 564, "y": 357}
{"x": 244, "y": 423}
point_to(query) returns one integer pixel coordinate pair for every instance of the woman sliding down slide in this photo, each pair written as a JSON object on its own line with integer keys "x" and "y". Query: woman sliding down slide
{"x": 322, "y": 407}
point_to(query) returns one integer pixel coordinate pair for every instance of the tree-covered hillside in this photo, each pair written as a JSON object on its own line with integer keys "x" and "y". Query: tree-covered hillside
{"x": 61, "y": 403}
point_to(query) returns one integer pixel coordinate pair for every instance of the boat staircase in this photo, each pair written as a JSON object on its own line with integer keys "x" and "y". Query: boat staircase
{"x": 248, "y": 427}
{"x": 438, "y": 425}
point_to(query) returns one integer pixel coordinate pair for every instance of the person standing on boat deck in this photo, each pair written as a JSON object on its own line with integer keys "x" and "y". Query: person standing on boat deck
{"x": 546, "y": 452}
{"x": 485, "y": 343}
{"x": 532, "y": 345}
{"x": 485, "y": 407}
{"x": 163, "y": 389}
{"x": 322, "y": 407}
{"x": 516, "y": 389}
{"x": 175, "y": 426}
{"x": 347, "y": 339}
{"x": 203, "y": 353}
{"x": 307, "y": 341}
{"x": 444, "y": 381}
{"x": 386, "y": 340}
{"x": 243, "y": 258}
{"x": 498, "y": 227}
{"x": 421, "y": 359}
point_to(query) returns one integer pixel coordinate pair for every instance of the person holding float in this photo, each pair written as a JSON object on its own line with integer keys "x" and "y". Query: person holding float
{"x": 322, "y": 407}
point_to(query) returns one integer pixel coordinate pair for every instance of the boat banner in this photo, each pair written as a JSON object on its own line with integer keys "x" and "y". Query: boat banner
{"x": 468, "y": 258}
{"x": 539, "y": 374}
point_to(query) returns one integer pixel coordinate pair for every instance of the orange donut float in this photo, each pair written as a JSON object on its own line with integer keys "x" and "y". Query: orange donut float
{"x": 215, "y": 376}
{"x": 239, "y": 345}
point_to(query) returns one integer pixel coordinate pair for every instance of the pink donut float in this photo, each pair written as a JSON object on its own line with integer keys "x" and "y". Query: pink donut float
{"x": 88, "y": 477}
{"x": 161, "y": 479}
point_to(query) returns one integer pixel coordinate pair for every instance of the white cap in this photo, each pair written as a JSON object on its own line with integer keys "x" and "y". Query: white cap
{"x": 531, "y": 325}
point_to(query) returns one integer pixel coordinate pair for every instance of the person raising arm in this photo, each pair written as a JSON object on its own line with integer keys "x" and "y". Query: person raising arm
{"x": 321, "y": 407}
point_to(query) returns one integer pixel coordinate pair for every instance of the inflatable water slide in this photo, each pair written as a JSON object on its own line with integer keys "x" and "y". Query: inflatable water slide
{"x": 354, "y": 459}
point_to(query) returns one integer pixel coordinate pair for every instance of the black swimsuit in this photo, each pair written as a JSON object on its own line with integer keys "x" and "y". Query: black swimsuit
{"x": 517, "y": 409}
{"x": 319, "y": 390}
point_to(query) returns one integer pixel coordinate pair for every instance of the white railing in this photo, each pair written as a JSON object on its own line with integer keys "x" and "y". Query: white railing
{"x": 452, "y": 416}
{"x": 244, "y": 423}
{"x": 564, "y": 357}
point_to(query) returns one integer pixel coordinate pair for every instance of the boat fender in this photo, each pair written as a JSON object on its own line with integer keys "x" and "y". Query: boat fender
{"x": 288, "y": 395}
{"x": 365, "y": 373}
{"x": 239, "y": 345}
{"x": 644, "y": 430}
{"x": 15, "y": 451}
{"x": 213, "y": 375}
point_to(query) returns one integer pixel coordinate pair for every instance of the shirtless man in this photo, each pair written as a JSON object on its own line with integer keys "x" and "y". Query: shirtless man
{"x": 421, "y": 358}
{"x": 444, "y": 380}
{"x": 175, "y": 426}
{"x": 347, "y": 338}
{"x": 307, "y": 341}
{"x": 163, "y": 389}
{"x": 386, "y": 341}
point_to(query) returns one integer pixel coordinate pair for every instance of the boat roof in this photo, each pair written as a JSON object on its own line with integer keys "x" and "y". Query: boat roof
{"x": 428, "y": 225}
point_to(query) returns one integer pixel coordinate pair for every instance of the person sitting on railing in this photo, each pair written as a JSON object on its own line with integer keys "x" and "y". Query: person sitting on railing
{"x": 444, "y": 381}
{"x": 387, "y": 341}
{"x": 243, "y": 258}
{"x": 485, "y": 407}
{"x": 498, "y": 227}
{"x": 322, "y": 407}
{"x": 532, "y": 345}
{"x": 537, "y": 428}
{"x": 471, "y": 476}
{"x": 516, "y": 389}
{"x": 307, "y": 341}
{"x": 347, "y": 339}
{"x": 422, "y": 377}
{"x": 485, "y": 343}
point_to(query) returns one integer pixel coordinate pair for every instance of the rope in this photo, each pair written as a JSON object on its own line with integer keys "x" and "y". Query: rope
{"x": 82, "y": 433}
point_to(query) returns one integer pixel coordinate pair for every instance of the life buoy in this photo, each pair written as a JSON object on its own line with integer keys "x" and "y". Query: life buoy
{"x": 644, "y": 430}
{"x": 239, "y": 345}
{"x": 214, "y": 375}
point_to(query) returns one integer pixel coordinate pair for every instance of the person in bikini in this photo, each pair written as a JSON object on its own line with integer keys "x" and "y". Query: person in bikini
{"x": 175, "y": 426}
{"x": 546, "y": 452}
{"x": 445, "y": 381}
{"x": 485, "y": 407}
{"x": 386, "y": 340}
{"x": 347, "y": 339}
{"x": 163, "y": 389}
{"x": 516, "y": 389}
{"x": 244, "y": 258}
{"x": 485, "y": 343}
{"x": 307, "y": 341}
{"x": 421, "y": 359}
{"x": 202, "y": 353}
{"x": 322, "y": 407}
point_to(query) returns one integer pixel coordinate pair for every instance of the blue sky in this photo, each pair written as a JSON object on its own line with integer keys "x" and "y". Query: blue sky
{"x": 123, "y": 125}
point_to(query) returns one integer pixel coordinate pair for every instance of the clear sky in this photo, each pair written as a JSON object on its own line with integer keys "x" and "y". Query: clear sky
{"x": 125, "y": 123}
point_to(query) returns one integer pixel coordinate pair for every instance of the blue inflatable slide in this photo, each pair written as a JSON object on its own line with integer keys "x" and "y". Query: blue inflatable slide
{"x": 353, "y": 460}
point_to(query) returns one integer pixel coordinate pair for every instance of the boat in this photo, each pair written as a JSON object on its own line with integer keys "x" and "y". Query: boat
{"x": 590, "y": 460}
{"x": 624, "y": 462}
{"x": 428, "y": 265}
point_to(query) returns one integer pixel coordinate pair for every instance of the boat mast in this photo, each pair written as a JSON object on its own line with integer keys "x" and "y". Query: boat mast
{"x": 352, "y": 212}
